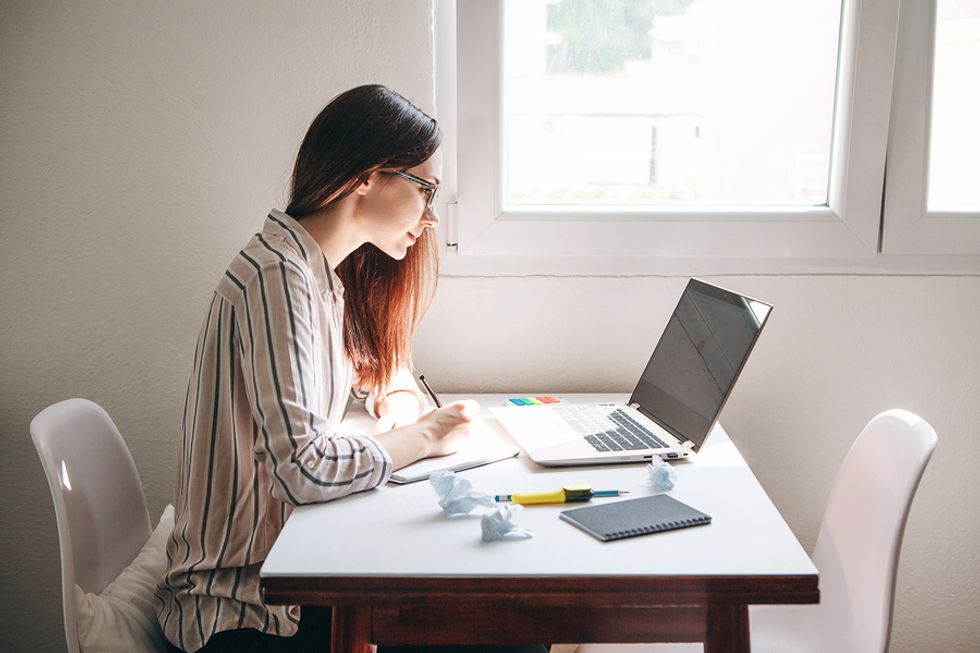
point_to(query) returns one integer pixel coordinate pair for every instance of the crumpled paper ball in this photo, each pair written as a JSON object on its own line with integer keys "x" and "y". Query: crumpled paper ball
{"x": 456, "y": 495}
{"x": 500, "y": 525}
{"x": 661, "y": 475}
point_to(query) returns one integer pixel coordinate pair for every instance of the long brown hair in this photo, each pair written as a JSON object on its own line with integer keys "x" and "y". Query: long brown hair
{"x": 365, "y": 129}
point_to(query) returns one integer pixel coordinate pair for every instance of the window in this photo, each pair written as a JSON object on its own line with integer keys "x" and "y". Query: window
{"x": 692, "y": 136}
{"x": 645, "y": 102}
{"x": 954, "y": 125}
{"x": 932, "y": 203}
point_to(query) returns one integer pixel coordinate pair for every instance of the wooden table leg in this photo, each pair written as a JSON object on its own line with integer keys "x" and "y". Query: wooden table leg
{"x": 351, "y": 630}
{"x": 727, "y": 629}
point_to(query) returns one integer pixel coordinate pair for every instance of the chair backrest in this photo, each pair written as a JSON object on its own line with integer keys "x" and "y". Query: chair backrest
{"x": 98, "y": 498}
{"x": 860, "y": 538}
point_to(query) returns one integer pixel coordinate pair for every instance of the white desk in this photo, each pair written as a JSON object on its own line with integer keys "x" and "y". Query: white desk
{"x": 398, "y": 571}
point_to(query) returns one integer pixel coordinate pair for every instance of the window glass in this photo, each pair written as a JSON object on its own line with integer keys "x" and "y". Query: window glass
{"x": 644, "y": 102}
{"x": 955, "y": 132}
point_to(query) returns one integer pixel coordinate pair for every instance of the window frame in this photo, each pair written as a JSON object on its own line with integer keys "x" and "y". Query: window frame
{"x": 910, "y": 227}
{"x": 844, "y": 236}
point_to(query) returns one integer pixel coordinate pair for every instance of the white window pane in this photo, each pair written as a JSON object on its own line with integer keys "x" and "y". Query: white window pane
{"x": 640, "y": 102}
{"x": 955, "y": 139}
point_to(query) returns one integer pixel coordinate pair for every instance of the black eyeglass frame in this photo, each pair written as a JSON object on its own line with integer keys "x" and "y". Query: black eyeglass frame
{"x": 424, "y": 183}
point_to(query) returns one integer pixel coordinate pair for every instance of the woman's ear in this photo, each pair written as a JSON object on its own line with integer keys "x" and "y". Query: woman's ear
{"x": 366, "y": 182}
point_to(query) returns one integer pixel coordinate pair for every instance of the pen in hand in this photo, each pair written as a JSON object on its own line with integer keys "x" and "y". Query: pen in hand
{"x": 429, "y": 391}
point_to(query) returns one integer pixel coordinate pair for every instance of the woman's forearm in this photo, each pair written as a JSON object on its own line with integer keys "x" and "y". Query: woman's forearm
{"x": 405, "y": 445}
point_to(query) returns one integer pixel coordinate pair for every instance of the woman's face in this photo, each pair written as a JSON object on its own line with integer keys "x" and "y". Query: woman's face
{"x": 394, "y": 212}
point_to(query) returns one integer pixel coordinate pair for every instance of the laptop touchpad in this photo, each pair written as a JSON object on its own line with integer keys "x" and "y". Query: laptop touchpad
{"x": 540, "y": 428}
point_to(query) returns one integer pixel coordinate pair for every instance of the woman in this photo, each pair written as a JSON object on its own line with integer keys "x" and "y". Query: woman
{"x": 325, "y": 299}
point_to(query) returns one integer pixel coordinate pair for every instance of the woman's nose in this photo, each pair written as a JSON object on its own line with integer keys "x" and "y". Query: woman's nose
{"x": 430, "y": 218}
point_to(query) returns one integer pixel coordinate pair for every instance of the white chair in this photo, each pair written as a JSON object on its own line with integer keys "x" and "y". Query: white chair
{"x": 856, "y": 551}
{"x": 98, "y": 499}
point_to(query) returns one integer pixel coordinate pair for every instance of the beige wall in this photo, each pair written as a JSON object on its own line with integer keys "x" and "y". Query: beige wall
{"x": 141, "y": 144}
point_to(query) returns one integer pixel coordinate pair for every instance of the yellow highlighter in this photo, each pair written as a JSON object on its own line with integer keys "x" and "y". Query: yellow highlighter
{"x": 568, "y": 494}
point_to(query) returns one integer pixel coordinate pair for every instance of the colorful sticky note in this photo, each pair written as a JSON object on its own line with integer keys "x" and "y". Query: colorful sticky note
{"x": 534, "y": 401}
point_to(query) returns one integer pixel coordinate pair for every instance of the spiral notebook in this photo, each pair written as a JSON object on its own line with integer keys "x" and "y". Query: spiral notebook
{"x": 613, "y": 521}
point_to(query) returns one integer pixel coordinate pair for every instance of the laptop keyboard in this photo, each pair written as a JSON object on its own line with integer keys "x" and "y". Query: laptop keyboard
{"x": 608, "y": 431}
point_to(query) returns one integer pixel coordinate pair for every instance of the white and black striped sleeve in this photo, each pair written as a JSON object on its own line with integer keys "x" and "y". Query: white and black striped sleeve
{"x": 279, "y": 344}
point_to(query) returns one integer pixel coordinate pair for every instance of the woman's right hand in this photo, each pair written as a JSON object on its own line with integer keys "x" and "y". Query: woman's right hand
{"x": 436, "y": 433}
{"x": 443, "y": 428}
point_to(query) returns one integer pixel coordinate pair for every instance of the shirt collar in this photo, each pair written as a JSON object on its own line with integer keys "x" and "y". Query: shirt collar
{"x": 289, "y": 229}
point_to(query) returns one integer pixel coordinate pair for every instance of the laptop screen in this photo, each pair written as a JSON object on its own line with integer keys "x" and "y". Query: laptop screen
{"x": 699, "y": 356}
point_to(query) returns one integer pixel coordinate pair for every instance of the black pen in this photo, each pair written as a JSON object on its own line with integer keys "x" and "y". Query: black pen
{"x": 425, "y": 385}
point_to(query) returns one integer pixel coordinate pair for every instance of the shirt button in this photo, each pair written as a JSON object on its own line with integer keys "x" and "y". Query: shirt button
{"x": 310, "y": 464}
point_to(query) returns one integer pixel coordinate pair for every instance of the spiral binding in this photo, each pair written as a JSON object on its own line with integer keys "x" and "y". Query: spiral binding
{"x": 656, "y": 528}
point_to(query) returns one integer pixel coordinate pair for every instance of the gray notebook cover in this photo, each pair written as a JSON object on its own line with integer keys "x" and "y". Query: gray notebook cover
{"x": 612, "y": 521}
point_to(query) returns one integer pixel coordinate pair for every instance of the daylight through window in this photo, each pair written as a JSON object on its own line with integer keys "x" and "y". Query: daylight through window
{"x": 648, "y": 102}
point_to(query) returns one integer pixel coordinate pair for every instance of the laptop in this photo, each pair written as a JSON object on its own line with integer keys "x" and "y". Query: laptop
{"x": 675, "y": 403}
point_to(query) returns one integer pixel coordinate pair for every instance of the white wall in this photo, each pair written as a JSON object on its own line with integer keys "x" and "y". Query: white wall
{"x": 142, "y": 144}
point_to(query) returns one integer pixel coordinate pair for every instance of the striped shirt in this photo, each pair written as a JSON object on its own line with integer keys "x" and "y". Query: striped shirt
{"x": 270, "y": 383}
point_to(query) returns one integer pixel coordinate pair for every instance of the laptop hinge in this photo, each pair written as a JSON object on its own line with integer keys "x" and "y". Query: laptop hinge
{"x": 638, "y": 407}
{"x": 685, "y": 443}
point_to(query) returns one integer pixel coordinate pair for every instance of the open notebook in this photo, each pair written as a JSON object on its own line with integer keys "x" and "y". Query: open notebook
{"x": 482, "y": 447}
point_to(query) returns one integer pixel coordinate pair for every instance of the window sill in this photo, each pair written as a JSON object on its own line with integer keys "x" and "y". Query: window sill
{"x": 475, "y": 265}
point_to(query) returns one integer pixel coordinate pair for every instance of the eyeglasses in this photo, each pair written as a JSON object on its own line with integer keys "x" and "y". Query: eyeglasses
{"x": 432, "y": 189}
